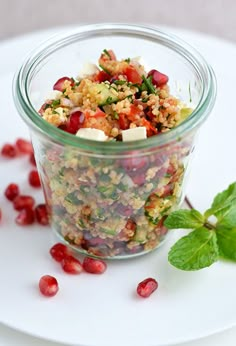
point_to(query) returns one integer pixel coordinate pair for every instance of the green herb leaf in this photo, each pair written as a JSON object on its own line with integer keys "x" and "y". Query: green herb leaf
{"x": 226, "y": 239}
{"x": 229, "y": 218}
{"x": 148, "y": 84}
{"x": 104, "y": 69}
{"x": 184, "y": 219}
{"x": 105, "y": 51}
{"x": 222, "y": 203}
{"x": 127, "y": 60}
{"x": 120, "y": 82}
{"x": 55, "y": 103}
{"x": 195, "y": 251}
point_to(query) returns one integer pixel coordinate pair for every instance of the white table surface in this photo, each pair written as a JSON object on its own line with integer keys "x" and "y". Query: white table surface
{"x": 15, "y": 53}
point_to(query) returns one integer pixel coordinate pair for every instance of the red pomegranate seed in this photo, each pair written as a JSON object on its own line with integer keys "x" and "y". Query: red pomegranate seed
{"x": 32, "y": 159}
{"x": 12, "y": 191}
{"x": 59, "y": 85}
{"x": 24, "y": 146}
{"x": 147, "y": 287}
{"x": 75, "y": 122}
{"x": 94, "y": 266}
{"x": 25, "y": 217}
{"x": 48, "y": 286}
{"x": 41, "y": 214}
{"x": 23, "y": 201}
{"x": 34, "y": 179}
{"x": 71, "y": 265}
{"x": 59, "y": 251}
{"x": 8, "y": 150}
{"x": 158, "y": 79}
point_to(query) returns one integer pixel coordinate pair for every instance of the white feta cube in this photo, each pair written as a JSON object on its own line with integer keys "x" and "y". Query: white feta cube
{"x": 94, "y": 134}
{"x": 134, "y": 134}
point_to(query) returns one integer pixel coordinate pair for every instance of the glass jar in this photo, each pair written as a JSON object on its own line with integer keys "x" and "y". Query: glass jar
{"x": 110, "y": 199}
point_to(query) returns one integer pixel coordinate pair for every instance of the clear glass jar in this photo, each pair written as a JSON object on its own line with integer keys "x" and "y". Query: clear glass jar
{"x": 109, "y": 199}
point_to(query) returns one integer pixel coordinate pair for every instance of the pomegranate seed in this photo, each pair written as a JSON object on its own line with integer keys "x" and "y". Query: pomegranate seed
{"x": 23, "y": 201}
{"x": 71, "y": 265}
{"x": 158, "y": 79}
{"x": 34, "y": 179}
{"x": 25, "y": 217}
{"x": 94, "y": 266}
{"x": 24, "y": 146}
{"x": 32, "y": 159}
{"x": 59, "y": 251}
{"x": 12, "y": 191}
{"x": 139, "y": 179}
{"x": 59, "y": 85}
{"x": 41, "y": 214}
{"x": 147, "y": 287}
{"x": 75, "y": 122}
{"x": 48, "y": 286}
{"x": 8, "y": 150}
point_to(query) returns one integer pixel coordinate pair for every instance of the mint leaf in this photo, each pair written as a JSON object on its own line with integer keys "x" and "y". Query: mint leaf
{"x": 226, "y": 239}
{"x": 184, "y": 218}
{"x": 229, "y": 218}
{"x": 223, "y": 202}
{"x": 195, "y": 251}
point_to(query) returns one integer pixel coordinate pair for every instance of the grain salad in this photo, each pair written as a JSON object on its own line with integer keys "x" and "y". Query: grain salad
{"x": 110, "y": 207}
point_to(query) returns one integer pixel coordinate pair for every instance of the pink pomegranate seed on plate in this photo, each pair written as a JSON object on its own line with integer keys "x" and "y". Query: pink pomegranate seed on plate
{"x": 12, "y": 191}
{"x": 94, "y": 266}
{"x": 48, "y": 285}
{"x": 25, "y": 217}
{"x": 41, "y": 214}
{"x": 59, "y": 251}
{"x": 147, "y": 287}
{"x": 71, "y": 265}
{"x": 158, "y": 79}
{"x": 33, "y": 178}
{"x": 32, "y": 159}
{"x": 23, "y": 201}
{"x": 24, "y": 146}
{"x": 8, "y": 150}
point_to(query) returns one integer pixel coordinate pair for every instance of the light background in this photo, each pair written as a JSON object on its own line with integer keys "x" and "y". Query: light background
{"x": 216, "y": 17}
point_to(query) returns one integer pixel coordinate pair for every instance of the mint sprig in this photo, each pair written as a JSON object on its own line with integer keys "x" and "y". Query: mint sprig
{"x": 207, "y": 241}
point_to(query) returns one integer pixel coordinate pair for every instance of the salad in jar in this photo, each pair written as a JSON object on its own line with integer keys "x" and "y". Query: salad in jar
{"x": 105, "y": 206}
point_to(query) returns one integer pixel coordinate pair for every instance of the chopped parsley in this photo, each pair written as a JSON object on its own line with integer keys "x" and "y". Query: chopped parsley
{"x": 105, "y": 51}
{"x": 147, "y": 85}
{"x": 55, "y": 103}
{"x": 104, "y": 69}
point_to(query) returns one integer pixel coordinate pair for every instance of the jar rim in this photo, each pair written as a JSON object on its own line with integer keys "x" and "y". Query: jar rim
{"x": 32, "y": 118}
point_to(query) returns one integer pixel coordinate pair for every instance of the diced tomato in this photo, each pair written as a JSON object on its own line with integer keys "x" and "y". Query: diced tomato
{"x": 101, "y": 76}
{"x": 132, "y": 75}
{"x": 151, "y": 130}
{"x": 59, "y": 85}
{"x": 134, "y": 111}
{"x": 123, "y": 121}
{"x": 98, "y": 114}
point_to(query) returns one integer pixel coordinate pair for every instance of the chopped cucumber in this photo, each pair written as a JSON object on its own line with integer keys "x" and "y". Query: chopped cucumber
{"x": 103, "y": 94}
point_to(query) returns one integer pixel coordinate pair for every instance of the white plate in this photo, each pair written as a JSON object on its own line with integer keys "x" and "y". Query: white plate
{"x": 104, "y": 310}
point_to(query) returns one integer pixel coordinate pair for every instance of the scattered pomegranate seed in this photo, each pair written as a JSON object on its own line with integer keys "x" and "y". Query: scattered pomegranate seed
{"x": 8, "y": 150}
{"x": 59, "y": 251}
{"x": 94, "y": 266}
{"x": 59, "y": 85}
{"x": 23, "y": 201}
{"x": 48, "y": 286}
{"x": 12, "y": 191}
{"x": 41, "y": 214}
{"x": 32, "y": 159}
{"x": 25, "y": 217}
{"x": 158, "y": 79}
{"x": 71, "y": 265}
{"x": 24, "y": 146}
{"x": 147, "y": 287}
{"x": 34, "y": 179}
